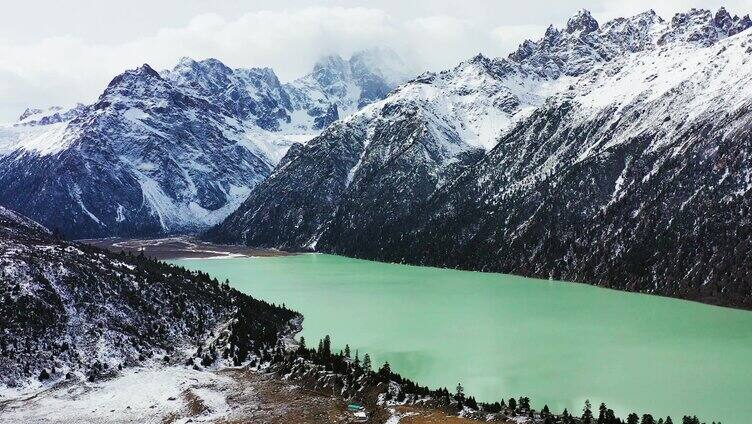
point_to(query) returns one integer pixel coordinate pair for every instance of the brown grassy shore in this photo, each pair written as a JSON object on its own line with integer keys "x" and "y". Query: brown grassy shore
{"x": 179, "y": 247}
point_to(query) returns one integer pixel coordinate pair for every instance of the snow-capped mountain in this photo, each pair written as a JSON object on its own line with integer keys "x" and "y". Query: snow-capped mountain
{"x": 177, "y": 150}
{"x": 612, "y": 154}
{"x": 71, "y": 311}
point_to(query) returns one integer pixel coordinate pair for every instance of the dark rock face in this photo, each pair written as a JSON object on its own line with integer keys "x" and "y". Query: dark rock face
{"x": 289, "y": 208}
{"x": 249, "y": 94}
{"x": 583, "y": 22}
{"x": 633, "y": 176}
{"x": 70, "y": 310}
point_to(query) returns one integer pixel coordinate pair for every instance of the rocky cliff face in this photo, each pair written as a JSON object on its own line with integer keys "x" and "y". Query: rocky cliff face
{"x": 70, "y": 311}
{"x": 173, "y": 151}
{"x": 613, "y": 155}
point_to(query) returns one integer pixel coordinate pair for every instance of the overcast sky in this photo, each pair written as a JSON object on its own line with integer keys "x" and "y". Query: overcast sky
{"x": 60, "y": 52}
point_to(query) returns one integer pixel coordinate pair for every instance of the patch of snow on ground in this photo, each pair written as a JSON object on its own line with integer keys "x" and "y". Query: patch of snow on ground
{"x": 139, "y": 395}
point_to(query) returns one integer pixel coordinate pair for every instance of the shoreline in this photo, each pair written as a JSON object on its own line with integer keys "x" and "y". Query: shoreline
{"x": 189, "y": 247}
{"x": 181, "y": 247}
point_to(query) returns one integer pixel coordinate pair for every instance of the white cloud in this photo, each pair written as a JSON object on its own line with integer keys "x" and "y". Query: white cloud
{"x": 66, "y": 69}
{"x": 39, "y": 69}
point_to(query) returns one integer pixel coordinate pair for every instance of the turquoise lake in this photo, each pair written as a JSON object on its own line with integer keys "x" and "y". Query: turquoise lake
{"x": 503, "y": 336}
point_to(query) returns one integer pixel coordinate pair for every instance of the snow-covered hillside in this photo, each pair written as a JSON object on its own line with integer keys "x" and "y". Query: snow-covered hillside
{"x": 177, "y": 150}
{"x": 73, "y": 312}
{"x": 611, "y": 154}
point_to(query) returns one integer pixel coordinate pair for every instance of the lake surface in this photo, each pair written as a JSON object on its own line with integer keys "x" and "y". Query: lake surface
{"x": 501, "y": 336}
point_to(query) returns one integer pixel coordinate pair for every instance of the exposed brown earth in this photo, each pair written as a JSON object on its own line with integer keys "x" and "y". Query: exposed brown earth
{"x": 179, "y": 247}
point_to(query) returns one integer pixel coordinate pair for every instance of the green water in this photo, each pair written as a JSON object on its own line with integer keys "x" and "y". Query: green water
{"x": 502, "y": 336}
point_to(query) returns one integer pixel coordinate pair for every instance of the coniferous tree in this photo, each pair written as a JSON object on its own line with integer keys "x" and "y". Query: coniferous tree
{"x": 545, "y": 411}
{"x": 524, "y": 403}
{"x": 327, "y": 346}
{"x": 602, "y": 414}
{"x": 347, "y": 350}
{"x": 669, "y": 420}
{"x": 587, "y": 413}
{"x": 367, "y": 363}
{"x": 459, "y": 394}
{"x": 611, "y": 417}
{"x": 512, "y": 404}
{"x": 647, "y": 419}
{"x": 357, "y": 360}
{"x": 633, "y": 419}
{"x": 385, "y": 370}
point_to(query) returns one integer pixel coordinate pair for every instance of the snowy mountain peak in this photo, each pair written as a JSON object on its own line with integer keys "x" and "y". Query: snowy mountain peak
{"x": 703, "y": 27}
{"x": 173, "y": 151}
{"x": 51, "y": 115}
{"x": 383, "y": 62}
{"x": 29, "y": 112}
{"x": 143, "y": 81}
{"x": 330, "y": 70}
{"x": 582, "y": 22}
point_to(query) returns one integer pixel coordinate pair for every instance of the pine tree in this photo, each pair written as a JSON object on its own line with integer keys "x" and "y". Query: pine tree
{"x": 347, "y": 350}
{"x": 587, "y": 413}
{"x": 524, "y": 403}
{"x": 357, "y": 360}
{"x": 367, "y": 363}
{"x": 647, "y": 419}
{"x": 566, "y": 418}
{"x": 633, "y": 419}
{"x": 385, "y": 370}
{"x": 611, "y": 417}
{"x": 512, "y": 404}
{"x": 327, "y": 346}
{"x": 669, "y": 420}
{"x": 545, "y": 411}
{"x": 459, "y": 393}
{"x": 602, "y": 414}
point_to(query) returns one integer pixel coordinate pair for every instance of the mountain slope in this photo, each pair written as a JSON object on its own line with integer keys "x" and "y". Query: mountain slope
{"x": 421, "y": 136}
{"x": 637, "y": 180}
{"x": 73, "y": 311}
{"x": 171, "y": 151}
{"x": 621, "y": 162}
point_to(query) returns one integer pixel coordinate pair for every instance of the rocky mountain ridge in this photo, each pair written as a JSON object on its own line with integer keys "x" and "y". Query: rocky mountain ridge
{"x": 614, "y": 151}
{"x": 177, "y": 150}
